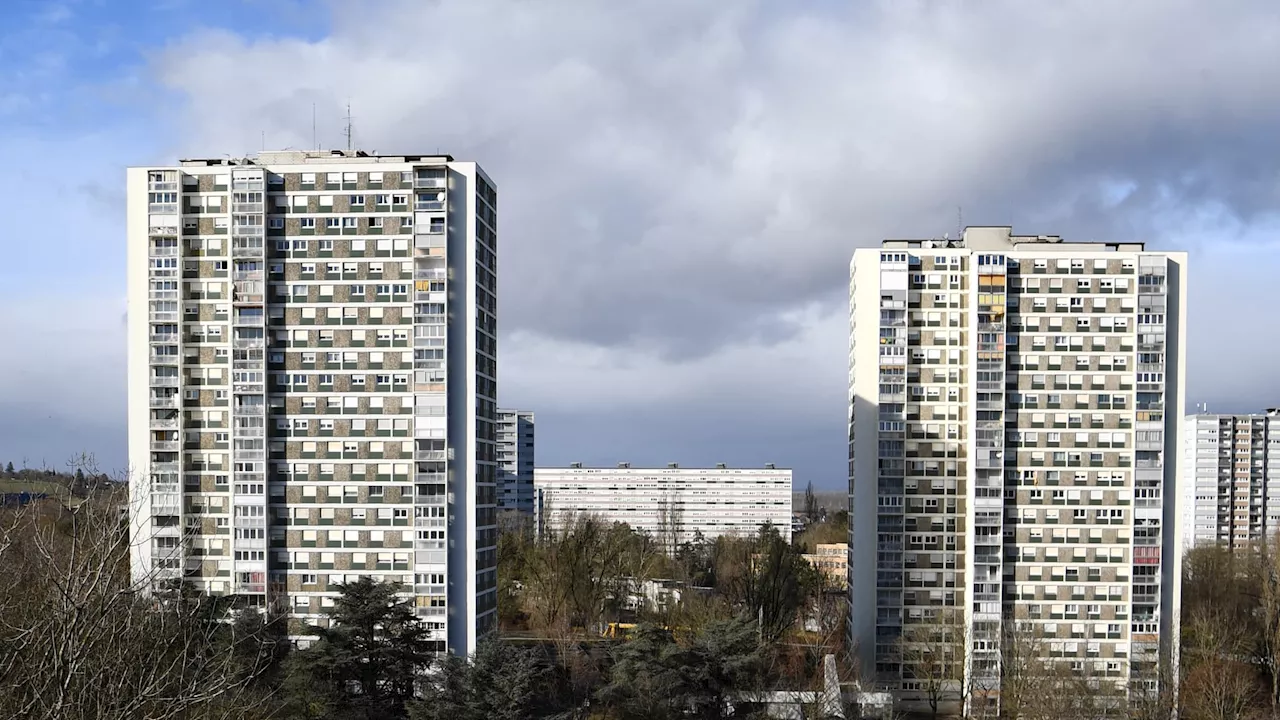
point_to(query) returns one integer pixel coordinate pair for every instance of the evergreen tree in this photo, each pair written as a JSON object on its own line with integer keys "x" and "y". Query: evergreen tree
{"x": 501, "y": 682}
{"x": 655, "y": 678}
{"x": 367, "y": 663}
{"x": 8, "y": 470}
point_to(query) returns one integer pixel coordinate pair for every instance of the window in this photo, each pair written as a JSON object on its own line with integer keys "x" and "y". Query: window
{"x": 307, "y": 223}
{"x": 356, "y": 200}
{"x": 332, "y": 222}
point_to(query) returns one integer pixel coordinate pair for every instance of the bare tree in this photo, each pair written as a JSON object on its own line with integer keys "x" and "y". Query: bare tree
{"x": 81, "y": 637}
{"x": 933, "y": 656}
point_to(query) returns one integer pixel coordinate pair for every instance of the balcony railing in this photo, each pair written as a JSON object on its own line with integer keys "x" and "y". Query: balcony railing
{"x": 164, "y": 445}
{"x": 164, "y": 251}
{"x": 421, "y": 182}
{"x": 163, "y": 208}
{"x": 246, "y": 207}
{"x": 164, "y": 381}
{"x": 252, "y": 343}
{"x": 163, "y": 230}
{"x": 164, "y": 402}
{"x": 162, "y": 187}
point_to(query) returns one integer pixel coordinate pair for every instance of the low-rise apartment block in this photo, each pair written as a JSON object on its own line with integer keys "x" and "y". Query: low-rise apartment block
{"x": 673, "y": 504}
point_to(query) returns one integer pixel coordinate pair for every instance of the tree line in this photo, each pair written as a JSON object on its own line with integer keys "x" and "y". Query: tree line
{"x": 80, "y": 639}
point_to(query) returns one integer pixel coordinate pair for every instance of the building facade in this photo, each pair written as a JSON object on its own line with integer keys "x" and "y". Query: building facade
{"x": 515, "y": 460}
{"x": 312, "y": 349}
{"x": 673, "y": 504}
{"x": 832, "y": 560}
{"x": 1231, "y": 478}
{"x": 1014, "y": 455}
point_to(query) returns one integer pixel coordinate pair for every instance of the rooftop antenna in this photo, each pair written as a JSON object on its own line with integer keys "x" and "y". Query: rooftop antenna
{"x": 314, "y": 143}
{"x": 349, "y": 130}
{"x": 959, "y": 221}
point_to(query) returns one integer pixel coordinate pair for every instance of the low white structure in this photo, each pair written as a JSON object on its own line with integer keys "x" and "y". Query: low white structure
{"x": 671, "y": 503}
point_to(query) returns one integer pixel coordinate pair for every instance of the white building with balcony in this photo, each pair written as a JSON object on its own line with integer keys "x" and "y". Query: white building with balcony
{"x": 1014, "y": 454}
{"x": 672, "y": 504}
{"x": 1231, "y": 478}
{"x": 312, "y": 373}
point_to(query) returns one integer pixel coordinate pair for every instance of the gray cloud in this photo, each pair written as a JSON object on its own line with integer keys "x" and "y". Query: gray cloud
{"x": 682, "y": 183}
{"x": 676, "y": 173}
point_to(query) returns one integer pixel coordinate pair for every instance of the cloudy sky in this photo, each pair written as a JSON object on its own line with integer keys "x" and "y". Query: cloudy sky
{"x": 682, "y": 182}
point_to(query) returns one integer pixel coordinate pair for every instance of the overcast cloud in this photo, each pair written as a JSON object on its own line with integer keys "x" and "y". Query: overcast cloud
{"x": 682, "y": 182}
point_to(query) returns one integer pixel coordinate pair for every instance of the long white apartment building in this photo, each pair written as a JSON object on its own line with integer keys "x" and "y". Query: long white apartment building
{"x": 312, "y": 373}
{"x": 672, "y": 503}
{"x": 515, "y": 460}
{"x": 1014, "y": 455}
{"x": 1231, "y": 478}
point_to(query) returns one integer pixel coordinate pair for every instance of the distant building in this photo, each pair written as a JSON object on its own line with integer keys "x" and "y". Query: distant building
{"x": 832, "y": 560}
{"x": 515, "y": 460}
{"x": 1231, "y": 478}
{"x": 671, "y": 503}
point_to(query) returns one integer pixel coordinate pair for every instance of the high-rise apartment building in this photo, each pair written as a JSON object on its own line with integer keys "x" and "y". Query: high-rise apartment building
{"x": 515, "y": 460}
{"x": 1014, "y": 454}
{"x": 1231, "y": 478}
{"x": 312, "y": 375}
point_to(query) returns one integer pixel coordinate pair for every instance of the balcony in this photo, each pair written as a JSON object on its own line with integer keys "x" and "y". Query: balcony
{"x": 163, "y": 230}
{"x": 246, "y": 207}
{"x": 163, "y": 208}
{"x": 428, "y": 183}
{"x": 252, "y": 343}
{"x": 164, "y": 381}
{"x": 162, "y": 187}
{"x": 164, "y": 402}
{"x": 164, "y": 252}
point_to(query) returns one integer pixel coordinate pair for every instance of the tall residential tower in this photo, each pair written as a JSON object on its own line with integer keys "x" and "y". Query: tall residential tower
{"x": 515, "y": 461}
{"x": 1014, "y": 454}
{"x": 312, "y": 372}
{"x": 1231, "y": 478}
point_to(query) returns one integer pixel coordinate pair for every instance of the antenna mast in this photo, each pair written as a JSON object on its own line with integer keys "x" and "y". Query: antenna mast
{"x": 349, "y": 130}
{"x": 315, "y": 144}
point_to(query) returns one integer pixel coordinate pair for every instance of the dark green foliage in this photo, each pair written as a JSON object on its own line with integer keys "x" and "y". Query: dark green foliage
{"x": 503, "y": 681}
{"x": 366, "y": 663}
{"x": 655, "y": 677}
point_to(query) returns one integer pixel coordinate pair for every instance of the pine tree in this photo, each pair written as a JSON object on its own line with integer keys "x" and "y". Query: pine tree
{"x": 366, "y": 663}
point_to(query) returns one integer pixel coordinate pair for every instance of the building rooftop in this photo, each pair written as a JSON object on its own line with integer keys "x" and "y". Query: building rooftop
{"x": 1001, "y": 238}
{"x": 319, "y": 157}
{"x": 670, "y": 466}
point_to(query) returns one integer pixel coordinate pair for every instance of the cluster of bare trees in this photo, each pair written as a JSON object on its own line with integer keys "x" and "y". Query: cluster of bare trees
{"x": 81, "y": 639}
{"x": 1231, "y": 633}
{"x": 1228, "y": 668}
